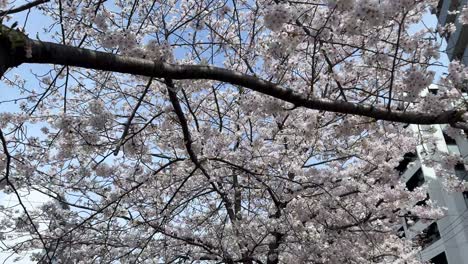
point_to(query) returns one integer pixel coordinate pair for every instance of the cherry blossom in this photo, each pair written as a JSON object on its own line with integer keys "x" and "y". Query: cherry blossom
{"x": 276, "y": 16}
{"x": 223, "y": 131}
{"x": 463, "y": 17}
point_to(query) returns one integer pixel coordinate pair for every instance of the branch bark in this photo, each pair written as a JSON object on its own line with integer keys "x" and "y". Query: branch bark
{"x": 52, "y": 53}
{"x": 23, "y": 7}
{"x": 218, "y": 187}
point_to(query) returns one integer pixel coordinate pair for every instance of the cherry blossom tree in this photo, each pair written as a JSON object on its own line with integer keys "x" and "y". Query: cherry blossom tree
{"x": 221, "y": 131}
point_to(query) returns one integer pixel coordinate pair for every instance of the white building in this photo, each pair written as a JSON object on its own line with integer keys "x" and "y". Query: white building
{"x": 444, "y": 241}
{"x": 457, "y": 42}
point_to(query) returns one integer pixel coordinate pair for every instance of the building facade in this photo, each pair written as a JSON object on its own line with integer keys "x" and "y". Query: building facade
{"x": 457, "y": 42}
{"x": 444, "y": 241}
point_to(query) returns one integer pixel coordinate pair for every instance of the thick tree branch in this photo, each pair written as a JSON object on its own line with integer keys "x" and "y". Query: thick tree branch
{"x": 23, "y": 7}
{"x": 52, "y": 53}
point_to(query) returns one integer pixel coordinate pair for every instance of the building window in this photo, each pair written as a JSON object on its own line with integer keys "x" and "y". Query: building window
{"x": 462, "y": 174}
{"x": 453, "y": 7}
{"x": 451, "y": 144}
{"x": 407, "y": 159}
{"x": 429, "y": 235}
{"x": 460, "y": 171}
{"x": 465, "y": 195}
{"x": 439, "y": 259}
{"x": 449, "y": 140}
{"x": 415, "y": 181}
{"x": 401, "y": 232}
{"x": 436, "y": 10}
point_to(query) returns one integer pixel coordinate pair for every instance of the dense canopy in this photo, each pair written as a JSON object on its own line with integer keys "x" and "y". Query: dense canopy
{"x": 221, "y": 131}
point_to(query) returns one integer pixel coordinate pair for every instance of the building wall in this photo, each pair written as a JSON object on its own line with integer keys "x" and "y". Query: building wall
{"x": 457, "y": 41}
{"x": 452, "y": 238}
{"x": 449, "y": 243}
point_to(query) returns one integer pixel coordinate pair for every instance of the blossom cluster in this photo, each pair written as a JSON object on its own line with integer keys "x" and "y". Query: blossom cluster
{"x": 463, "y": 17}
{"x": 277, "y": 15}
{"x": 416, "y": 81}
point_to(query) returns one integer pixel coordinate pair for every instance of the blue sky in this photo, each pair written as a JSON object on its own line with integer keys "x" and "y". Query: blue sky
{"x": 430, "y": 20}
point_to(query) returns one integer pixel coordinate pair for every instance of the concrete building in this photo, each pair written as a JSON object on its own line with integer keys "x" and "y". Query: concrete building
{"x": 444, "y": 241}
{"x": 457, "y": 42}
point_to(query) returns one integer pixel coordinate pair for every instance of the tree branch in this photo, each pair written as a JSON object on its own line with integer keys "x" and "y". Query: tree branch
{"x": 23, "y": 7}
{"x": 130, "y": 118}
{"x": 52, "y": 53}
{"x": 193, "y": 156}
